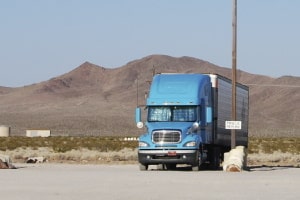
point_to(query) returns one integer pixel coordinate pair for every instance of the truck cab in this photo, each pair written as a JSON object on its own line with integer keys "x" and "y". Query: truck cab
{"x": 179, "y": 121}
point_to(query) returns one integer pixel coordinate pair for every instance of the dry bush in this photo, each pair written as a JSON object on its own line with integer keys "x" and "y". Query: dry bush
{"x": 64, "y": 144}
{"x": 270, "y": 145}
{"x": 126, "y": 155}
{"x": 277, "y": 158}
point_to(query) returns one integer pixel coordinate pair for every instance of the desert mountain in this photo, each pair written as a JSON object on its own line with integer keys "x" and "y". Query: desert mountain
{"x": 93, "y": 100}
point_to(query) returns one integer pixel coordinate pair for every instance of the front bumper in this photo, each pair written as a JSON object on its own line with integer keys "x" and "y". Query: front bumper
{"x": 182, "y": 156}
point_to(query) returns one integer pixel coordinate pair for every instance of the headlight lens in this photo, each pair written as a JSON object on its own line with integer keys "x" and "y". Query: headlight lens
{"x": 190, "y": 144}
{"x": 143, "y": 144}
{"x": 140, "y": 125}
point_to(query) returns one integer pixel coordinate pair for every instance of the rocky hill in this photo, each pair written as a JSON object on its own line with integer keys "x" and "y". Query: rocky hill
{"x": 92, "y": 100}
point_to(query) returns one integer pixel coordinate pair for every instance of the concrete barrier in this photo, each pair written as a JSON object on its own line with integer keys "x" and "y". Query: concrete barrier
{"x": 235, "y": 160}
{"x": 245, "y": 153}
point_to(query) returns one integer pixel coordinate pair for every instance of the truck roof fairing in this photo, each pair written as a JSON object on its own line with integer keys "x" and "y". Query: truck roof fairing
{"x": 177, "y": 89}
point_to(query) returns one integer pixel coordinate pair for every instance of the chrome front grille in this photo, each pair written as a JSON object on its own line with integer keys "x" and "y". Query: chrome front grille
{"x": 166, "y": 136}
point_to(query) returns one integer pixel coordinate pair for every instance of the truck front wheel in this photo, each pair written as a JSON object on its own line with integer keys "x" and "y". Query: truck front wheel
{"x": 198, "y": 163}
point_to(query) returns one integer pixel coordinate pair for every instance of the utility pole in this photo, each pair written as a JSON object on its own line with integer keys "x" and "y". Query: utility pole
{"x": 234, "y": 33}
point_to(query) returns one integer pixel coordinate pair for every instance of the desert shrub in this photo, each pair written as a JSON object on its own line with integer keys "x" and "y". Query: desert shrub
{"x": 105, "y": 144}
{"x": 270, "y": 145}
{"x": 65, "y": 143}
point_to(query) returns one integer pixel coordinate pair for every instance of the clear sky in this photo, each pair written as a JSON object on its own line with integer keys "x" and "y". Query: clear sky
{"x": 41, "y": 39}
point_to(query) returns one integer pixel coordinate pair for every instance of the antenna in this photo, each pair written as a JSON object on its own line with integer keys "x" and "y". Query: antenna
{"x": 153, "y": 70}
{"x": 137, "y": 91}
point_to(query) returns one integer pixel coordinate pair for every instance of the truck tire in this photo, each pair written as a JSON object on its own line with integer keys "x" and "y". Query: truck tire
{"x": 198, "y": 163}
{"x": 143, "y": 167}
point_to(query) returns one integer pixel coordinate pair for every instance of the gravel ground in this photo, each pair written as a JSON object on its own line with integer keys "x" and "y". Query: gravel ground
{"x": 72, "y": 181}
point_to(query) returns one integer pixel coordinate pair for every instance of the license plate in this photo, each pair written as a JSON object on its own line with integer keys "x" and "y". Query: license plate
{"x": 172, "y": 153}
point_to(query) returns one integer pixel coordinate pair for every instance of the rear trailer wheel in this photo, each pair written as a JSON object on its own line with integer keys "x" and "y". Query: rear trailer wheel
{"x": 143, "y": 167}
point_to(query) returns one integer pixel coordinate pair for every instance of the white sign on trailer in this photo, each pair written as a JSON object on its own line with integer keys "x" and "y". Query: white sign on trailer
{"x": 233, "y": 124}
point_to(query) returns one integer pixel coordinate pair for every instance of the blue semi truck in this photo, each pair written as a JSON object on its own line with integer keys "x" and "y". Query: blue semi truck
{"x": 185, "y": 120}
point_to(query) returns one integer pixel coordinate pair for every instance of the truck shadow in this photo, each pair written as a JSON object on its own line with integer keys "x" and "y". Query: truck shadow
{"x": 253, "y": 168}
{"x": 204, "y": 167}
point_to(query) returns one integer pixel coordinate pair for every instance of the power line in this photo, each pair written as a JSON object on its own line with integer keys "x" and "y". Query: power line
{"x": 271, "y": 85}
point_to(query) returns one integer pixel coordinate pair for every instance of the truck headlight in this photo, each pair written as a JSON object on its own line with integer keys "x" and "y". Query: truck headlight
{"x": 140, "y": 124}
{"x": 190, "y": 144}
{"x": 143, "y": 144}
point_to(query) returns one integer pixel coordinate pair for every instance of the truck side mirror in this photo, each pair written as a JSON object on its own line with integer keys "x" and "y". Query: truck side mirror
{"x": 208, "y": 115}
{"x": 138, "y": 118}
{"x": 137, "y": 115}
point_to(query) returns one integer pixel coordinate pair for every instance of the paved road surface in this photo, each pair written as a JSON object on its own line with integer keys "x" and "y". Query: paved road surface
{"x": 72, "y": 182}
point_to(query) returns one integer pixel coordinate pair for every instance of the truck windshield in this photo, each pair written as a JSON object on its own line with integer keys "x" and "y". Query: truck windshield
{"x": 172, "y": 113}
